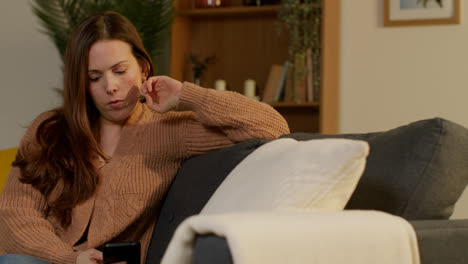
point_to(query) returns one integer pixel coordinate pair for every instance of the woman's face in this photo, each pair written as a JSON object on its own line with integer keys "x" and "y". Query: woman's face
{"x": 115, "y": 79}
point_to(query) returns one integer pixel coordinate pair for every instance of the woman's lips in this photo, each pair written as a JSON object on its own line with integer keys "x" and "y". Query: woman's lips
{"x": 116, "y": 104}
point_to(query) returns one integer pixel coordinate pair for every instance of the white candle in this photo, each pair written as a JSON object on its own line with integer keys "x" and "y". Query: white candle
{"x": 249, "y": 88}
{"x": 220, "y": 85}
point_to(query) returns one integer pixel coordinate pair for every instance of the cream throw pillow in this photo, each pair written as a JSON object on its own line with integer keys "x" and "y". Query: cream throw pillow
{"x": 286, "y": 174}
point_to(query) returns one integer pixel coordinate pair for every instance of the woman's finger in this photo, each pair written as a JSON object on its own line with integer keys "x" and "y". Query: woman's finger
{"x": 152, "y": 104}
{"x": 149, "y": 100}
{"x": 96, "y": 255}
{"x": 144, "y": 89}
{"x": 152, "y": 82}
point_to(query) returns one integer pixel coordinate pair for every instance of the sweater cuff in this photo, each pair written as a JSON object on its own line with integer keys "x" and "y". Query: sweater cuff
{"x": 192, "y": 97}
{"x": 67, "y": 258}
{"x": 71, "y": 258}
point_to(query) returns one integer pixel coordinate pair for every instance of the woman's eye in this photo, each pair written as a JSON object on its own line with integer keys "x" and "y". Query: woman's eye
{"x": 120, "y": 72}
{"x": 95, "y": 79}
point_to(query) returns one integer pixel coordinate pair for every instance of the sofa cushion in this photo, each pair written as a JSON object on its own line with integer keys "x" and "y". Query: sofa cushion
{"x": 193, "y": 185}
{"x": 286, "y": 174}
{"x": 417, "y": 171}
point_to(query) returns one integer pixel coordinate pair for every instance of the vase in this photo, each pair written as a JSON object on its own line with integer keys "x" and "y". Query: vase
{"x": 196, "y": 81}
{"x": 210, "y": 3}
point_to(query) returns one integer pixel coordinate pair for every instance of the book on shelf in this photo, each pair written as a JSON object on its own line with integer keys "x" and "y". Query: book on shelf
{"x": 281, "y": 85}
{"x": 317, "y": 78}
{"x": 300, "y": 75}
{"x": 296, "y": 85}
{"x": 310, "y": 76}
{"x": 273, "y": 81}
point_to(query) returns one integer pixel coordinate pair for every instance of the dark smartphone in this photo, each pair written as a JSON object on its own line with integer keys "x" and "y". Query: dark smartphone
{"x": 121, "y": 251}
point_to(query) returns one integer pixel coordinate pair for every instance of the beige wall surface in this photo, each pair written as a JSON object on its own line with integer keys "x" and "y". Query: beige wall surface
{"x": 391, "y": 76}
{"x": 29, "y": 69}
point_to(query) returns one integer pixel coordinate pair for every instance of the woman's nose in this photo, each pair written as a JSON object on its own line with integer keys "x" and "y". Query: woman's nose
{"x": 112, "y": 85}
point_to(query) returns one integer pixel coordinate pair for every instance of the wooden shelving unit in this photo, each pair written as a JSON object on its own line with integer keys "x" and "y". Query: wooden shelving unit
{"x": 246, "y": 43}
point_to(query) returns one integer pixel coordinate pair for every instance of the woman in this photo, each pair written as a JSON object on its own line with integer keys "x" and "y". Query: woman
{"x": 95, "y": 170}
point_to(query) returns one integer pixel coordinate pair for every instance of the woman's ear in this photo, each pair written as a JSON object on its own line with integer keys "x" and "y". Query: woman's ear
{"x": 144, "y": 71}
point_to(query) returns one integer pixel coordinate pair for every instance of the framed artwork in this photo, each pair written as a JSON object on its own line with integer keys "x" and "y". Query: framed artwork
{"x": 421, "y": 12}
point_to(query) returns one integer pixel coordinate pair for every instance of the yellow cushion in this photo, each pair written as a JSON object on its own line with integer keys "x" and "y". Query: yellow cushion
{"x": 6, "y": 158}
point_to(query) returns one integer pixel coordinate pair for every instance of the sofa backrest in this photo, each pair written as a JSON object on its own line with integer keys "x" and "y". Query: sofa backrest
{"x": 195, "y": 182}
{"x": 417, "y": 171}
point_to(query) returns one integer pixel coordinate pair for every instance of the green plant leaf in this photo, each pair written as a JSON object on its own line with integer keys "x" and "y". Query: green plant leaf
{"x": 152, "y": 19}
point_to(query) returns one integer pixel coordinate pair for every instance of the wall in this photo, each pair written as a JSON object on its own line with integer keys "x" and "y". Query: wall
{"x": 392, "y": 76}
{"x": 29, "y": 70}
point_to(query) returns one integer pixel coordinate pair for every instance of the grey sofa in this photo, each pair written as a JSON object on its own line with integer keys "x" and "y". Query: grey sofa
{"x": 417, "y": 171}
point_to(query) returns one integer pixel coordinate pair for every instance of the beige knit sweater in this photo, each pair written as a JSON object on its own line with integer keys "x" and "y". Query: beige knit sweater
{"x": 148, "y": 155}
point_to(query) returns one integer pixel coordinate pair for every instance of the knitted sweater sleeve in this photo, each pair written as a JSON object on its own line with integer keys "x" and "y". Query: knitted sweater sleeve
{"x": 223, "y": 118}
{"x": 23, "y": 227}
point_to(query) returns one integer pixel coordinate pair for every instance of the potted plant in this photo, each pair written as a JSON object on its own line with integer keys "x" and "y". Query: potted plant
{"x": 302, "y": 21}
{"x": 152, "y": 19}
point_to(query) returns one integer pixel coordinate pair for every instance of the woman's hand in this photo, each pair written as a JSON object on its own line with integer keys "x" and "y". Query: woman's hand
{"x": 89, "y": 256}
{"x": 162, "y": 93}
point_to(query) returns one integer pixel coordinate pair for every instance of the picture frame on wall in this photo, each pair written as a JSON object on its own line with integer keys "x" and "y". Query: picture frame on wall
{"x": 421, "y": 12}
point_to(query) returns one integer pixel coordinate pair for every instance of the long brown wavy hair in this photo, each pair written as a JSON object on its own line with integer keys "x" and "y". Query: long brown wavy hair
{"x": 68, "y": 140}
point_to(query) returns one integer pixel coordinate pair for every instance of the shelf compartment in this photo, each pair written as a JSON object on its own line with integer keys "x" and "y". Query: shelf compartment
{"x": 300, "y": 117}
{"x": 244, "y": 49}
{"x": 295, "y": 105}
{"x": 231, "y": 11}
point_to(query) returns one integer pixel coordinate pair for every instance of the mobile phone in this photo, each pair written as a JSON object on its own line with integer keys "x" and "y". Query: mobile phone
{"x": 121, "y": 251}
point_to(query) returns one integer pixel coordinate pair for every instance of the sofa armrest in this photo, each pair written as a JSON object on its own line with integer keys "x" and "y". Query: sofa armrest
{"x": 440, "y": 241}
{"x": 286, "y": 236}
{"x": 211, "y": 249}
{"x": 6, "y": 158}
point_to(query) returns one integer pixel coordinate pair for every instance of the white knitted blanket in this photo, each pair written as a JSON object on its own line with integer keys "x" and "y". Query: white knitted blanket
{"x": 352, "y": 237}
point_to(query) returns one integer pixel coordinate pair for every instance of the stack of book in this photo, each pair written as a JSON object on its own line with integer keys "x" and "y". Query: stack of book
{"x": 298, "y": 83}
